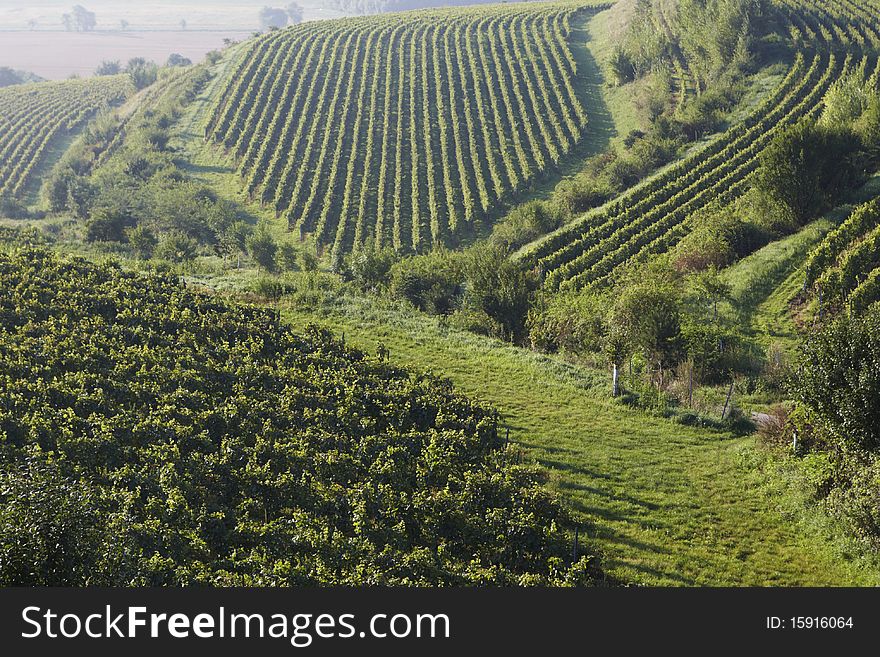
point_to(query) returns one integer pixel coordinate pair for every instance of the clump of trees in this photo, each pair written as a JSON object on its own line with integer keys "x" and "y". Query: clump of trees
{"x": 274, "y": 18}
{"x": 135, "y": 196}
{"x": 833, "y": 426}
{"x": 480, "y": 289}
{"x": 79, "y": 19}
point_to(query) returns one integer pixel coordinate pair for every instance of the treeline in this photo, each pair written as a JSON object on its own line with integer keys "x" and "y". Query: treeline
{"x": 150, "y": 435}
{"x": 9, "y": 77}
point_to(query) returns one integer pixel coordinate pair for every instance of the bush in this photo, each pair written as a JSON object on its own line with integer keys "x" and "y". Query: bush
{"x": 572, "y": 322}
{"x": 370, "y": 267}
{"x": 498, "y": 287}
{"x": 838, "y": 381}
{"x": 806, "y": 168}
{"x": 13, "y": 209}
{"x": 108, "y": 225}
{"x": 525, "y": 223}
{"x": 176, "y": 246}
{"x": 262, "y": 248}
{"x": 142, "y": 242}
{"x": 430, "y": 282}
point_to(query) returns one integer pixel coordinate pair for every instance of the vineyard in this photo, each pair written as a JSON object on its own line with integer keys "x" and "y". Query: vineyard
{"x": 180, "y": 440}
{"x": 845, "y": 268}
{"x": 833, "y": 40}
{"x": 402, "y": 130}
{"x": 34, "y": 116}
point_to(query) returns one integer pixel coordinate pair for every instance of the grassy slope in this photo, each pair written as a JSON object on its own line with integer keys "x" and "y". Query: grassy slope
{"x": 764, "y": 284}
{"x": 670, "y": 505}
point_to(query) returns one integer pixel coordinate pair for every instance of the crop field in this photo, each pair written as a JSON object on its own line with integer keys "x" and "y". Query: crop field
{"x": 833, "y": 40}
{"x": 33, "y": 116}
{"x": 422, "y": 122}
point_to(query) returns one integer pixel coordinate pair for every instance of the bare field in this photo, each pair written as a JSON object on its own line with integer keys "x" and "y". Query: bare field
{"x": 58, "y": 55}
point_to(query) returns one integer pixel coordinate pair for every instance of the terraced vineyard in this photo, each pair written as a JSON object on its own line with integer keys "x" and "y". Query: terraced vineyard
{"x": 838, "y": 38}
{"x": 404, "y": 129}
{"x": 845, "y": 267}
{"x": 33, "y": 116}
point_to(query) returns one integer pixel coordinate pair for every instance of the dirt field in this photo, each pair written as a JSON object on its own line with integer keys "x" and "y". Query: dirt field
{"x": 32, "y": 37}
{"x": 58, "y": 55}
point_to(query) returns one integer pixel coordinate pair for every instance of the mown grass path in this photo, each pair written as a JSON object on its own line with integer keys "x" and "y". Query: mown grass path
{"x": 670, "y": 505}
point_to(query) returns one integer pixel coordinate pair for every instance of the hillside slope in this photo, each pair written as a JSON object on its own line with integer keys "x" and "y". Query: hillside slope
{"x": 403, "y": 130}
{"x": 34, "y": 116}
{"x": 671, "y": 505}
{"x": 831, "y": 41}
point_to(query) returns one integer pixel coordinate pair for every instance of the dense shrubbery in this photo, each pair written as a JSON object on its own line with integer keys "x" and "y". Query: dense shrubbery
{"x": 480, "y": 289}
{"x": 837, "y": 389}
{"x": 805, "y": 171}
{"x": 151, "y": 436}
{"x": 665, "y": 320}
{"x": 122, "y": 174}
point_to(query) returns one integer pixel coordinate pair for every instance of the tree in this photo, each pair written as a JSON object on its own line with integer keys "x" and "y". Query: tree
{"x": 500, "y": 288}
{"x": 838, "y": 380}
{"x": 295, "y": 13}
{"x": 142, "y": 242}
{"x": 648, "y": 317}
{"x": 271, "y": 17}
{"x": 183, "y": 23}
{"x": 178, "y": 60}
{"x": 79, "y": 20}
{"x": 109, "y": 68}
{"x": 123, "y": 25}
{"x": 807, "y": 167}
{"x": 263, "y": 249}
{"x": 106, "y": 224}
{"x": 142, "y": 72}
{"x": 177, "y": 246}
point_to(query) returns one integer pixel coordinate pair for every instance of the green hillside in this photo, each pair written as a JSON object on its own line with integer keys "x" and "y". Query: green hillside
{"x": 424, "y": 121}
{"x": 34, "y": 116}
{"x": 640, "y": 236}
{"x": 831, "y": 41}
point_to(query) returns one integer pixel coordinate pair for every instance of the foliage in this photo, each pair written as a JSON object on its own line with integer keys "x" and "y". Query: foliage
{"x": 447, "y": 116}
{"x": 143, "y": 73}
{"x": 838, "y": 380}
{"x": 806, "y": 168}
{"x": 79, "y": 20}
{"x": 431, "y": 282}
{"x": 263, "y": 249}
{"x": 109, "y": 67}
{"x": 272, "y": 17}
{"x": 46, "y": 112}
{"x": 162, "y": 437}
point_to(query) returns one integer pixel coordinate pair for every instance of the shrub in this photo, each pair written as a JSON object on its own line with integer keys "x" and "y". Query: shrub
{"x": 262, "y": 248}
{"x": 176, "y": 246}
{"x": 430, "y": 282}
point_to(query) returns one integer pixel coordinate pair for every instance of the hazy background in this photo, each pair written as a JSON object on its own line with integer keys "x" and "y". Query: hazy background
{"x": 33, "y": 36}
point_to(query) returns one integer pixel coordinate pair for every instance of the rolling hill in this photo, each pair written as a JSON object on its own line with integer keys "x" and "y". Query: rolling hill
{"x": 424, "y": 122}
{"x": 34, "y": 116}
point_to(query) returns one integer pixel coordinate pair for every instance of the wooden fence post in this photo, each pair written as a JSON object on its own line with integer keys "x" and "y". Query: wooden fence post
{"x": 727, "y": 401}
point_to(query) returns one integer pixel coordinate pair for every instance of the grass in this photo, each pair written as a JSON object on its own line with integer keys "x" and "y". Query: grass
{"x": 666, "y": 504}
{"x": 764, "y": 284}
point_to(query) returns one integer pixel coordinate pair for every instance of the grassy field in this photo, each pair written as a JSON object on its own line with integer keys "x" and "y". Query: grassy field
{"x": 764, "y": 284}
{"x": 667, "y": 504}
